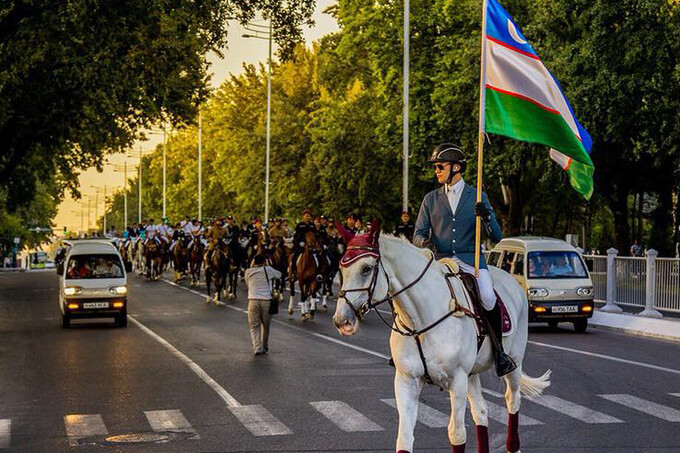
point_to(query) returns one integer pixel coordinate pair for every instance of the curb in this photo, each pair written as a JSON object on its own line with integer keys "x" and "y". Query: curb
{"x": 660, "y": 329}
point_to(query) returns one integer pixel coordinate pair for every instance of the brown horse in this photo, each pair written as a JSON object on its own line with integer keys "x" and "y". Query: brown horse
{"x": 279, "y": 258}
{"x": 180, "y": 259}
{"x": 153, "y": 256}
{"x": 195, "y": 261}
{"x": 217, "y": 268}
{"x": 308, "y": 276}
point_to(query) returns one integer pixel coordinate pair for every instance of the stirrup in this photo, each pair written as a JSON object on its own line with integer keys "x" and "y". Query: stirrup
{"x": 504, "y": 364}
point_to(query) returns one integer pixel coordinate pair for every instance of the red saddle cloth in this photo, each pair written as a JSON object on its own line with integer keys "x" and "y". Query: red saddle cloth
{"x": 470, "y": 283}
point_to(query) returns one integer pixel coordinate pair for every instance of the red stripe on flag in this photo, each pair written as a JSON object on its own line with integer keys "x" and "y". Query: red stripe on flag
{"x": 501, "y": 43}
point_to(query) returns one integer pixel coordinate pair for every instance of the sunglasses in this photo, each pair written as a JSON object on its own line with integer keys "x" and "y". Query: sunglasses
{"x": 440, "y": 167}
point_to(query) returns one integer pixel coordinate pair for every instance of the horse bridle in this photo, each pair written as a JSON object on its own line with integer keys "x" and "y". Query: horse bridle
{"x": 369, "y": 305}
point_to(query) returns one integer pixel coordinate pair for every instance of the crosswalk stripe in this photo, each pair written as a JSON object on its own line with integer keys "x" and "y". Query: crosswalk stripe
{"x": 170, "y": 421}
{"x": 675, "y": 394}
{"x": 427, "y": 415}
{"x": 259, "y": 421}
{"x": 500, "y": 413}
{"x": 81, "y": 426}
{"x": 648, "y": 407}
{"x": 574, "y": 410}
{"x": 5, "y": 433}
{"x": 344, "y": 416}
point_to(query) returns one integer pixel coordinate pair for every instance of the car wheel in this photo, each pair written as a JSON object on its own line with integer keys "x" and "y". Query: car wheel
{"x": 121, "y": 320}
{"x": 553, "y": 324}
{"x": 580, "y": 325}
{"x": 65, "y": 321}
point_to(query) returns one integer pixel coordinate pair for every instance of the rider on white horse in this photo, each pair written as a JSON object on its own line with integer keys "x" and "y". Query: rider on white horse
{"x": 446, "y": 225}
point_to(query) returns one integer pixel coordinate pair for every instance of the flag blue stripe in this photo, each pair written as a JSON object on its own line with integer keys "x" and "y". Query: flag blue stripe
{"x": 497, "y": 27}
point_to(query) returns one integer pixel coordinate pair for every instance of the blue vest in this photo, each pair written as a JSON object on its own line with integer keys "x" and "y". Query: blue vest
{"x": 453, "y": 233}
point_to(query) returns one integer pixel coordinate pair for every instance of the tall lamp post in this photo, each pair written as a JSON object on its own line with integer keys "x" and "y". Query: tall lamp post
{"x": 404, "y": 205}
{"x": 98, "y": 189}
{"x": 81, "y": 213}
{"x": 260, "y": 30}
{"x": 200, "y": 159}
{"x": 123, "y": 169}
{"x": 139, "y": 154}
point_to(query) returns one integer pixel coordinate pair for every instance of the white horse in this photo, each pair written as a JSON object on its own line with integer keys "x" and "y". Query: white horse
{"x": 449, "y": 349}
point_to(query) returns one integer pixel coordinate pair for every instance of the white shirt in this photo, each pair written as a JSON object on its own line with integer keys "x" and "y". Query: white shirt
{"x": 454, "y": 192}
{"x": 258, "y": 286}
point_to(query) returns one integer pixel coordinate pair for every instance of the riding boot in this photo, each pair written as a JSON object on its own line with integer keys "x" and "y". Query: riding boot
{"x": 493, "y": 320}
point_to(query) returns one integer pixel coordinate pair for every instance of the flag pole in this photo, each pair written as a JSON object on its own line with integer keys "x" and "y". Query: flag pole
{"x": 480, "y": 139}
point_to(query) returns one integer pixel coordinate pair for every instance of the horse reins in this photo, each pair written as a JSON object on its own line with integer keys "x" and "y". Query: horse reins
{"x": 399, "y": 327}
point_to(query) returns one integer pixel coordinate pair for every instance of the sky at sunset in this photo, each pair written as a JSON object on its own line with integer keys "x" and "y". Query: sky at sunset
{"x": 241, "y": 50}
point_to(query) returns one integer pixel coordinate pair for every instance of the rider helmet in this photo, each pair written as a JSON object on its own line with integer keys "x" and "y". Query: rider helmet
{"x": 449, "y": 153}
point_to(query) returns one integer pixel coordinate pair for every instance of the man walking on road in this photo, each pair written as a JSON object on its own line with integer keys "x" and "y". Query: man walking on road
{"x": 258, "y": 279}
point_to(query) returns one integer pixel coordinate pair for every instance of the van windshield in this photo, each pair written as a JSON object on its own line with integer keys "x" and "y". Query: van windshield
{"x": 94, "y": 266}
{"x": 556, "y": 265}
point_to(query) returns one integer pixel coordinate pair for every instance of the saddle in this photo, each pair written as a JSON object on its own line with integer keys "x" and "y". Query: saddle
{"x": 472, "y": 292}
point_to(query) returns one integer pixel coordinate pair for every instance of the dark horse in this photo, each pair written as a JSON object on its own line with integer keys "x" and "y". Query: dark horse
{"x": 279, "y": 257}
{"x": 195, "y": 261}
{"x": 217, "y": 268}
{"x": 237, "y": 261}
{"x": 308, "y": 276}
{"x": 330, "y": 264}
{"x": 153, "y": 256}
{"x": 180, "y": 258}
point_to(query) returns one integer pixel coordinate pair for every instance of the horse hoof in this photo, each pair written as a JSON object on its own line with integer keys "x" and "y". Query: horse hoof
{"x": 290, "y": 311}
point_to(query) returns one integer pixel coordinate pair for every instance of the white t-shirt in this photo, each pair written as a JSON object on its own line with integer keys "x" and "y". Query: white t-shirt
{"x": 258, "y": 286}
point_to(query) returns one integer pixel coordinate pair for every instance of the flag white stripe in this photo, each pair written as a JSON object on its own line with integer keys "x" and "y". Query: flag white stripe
{"x": 345, "y": 417}
{"x": 259, "y": 421}
{"x": 81, "y": 426}
{"x": 169, "y": 421}
{"x": 574, "y": 410}
{"x": 5, "y": 433}
{"x": 427, "y": 415}
{"x": 511, "y": 71}
{"x": 648, "y": 407}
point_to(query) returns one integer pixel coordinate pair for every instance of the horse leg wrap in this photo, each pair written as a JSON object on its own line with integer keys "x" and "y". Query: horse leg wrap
{"x": 512, "y": 440}
{"x": 403, "y": 451}
{"x": 482, "y": 439}
{"x": 324, "y": 301}
{"x": 458, "y": 448}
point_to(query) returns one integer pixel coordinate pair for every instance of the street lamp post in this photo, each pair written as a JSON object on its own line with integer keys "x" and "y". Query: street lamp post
{"x": 406, "y": 102}
{"x": 269, "y": 94}
{"x": 200, "y": 179}
{"x": 96, "y": 215}
{"x": 123, "y": 169}
{"x": 164, "y": 171}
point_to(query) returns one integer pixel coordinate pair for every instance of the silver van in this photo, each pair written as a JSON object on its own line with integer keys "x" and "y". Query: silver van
{"x": 93, "y": 283}
{"x": 554, "y": 276}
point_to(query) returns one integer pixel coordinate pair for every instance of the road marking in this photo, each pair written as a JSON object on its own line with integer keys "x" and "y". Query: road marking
{"x": 170, "y": 421}
{"x": 427, "y": 415}
{"x": 259, "y": 421}
{"x": 300, "y": 329}
{"x": 345, "y": 417}
{"x": 606, "y": 357}
{"x": 5, "y": 433}
{"x": 648, "y": 407}
{"x": 82, "y": 426}
{"x": 574, "y": 410}
{"x": 500, "y": 413}
{"x": 675, "y": 394}
{"x": 226, "y": 397}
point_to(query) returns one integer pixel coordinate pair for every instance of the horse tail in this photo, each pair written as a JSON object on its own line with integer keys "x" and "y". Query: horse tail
{"x": 532, "y": 387}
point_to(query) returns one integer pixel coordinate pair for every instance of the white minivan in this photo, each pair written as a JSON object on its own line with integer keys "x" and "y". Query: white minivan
{"x": 554, "y": 276}
{"x": 93, "y": 283}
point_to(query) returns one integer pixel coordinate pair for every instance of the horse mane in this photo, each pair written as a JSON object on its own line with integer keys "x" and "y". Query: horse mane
{"x": 397, "y": 246}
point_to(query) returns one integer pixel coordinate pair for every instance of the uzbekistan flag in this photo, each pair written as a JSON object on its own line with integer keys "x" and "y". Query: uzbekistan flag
{"x": 524, "y": 101}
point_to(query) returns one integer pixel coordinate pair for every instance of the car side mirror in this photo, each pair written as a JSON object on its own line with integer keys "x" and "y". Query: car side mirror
{"x": 60, "y": 269}
{"x": 128, "y": 266}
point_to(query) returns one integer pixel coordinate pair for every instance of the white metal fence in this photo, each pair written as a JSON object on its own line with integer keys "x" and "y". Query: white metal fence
{"x": 629, "y": 283}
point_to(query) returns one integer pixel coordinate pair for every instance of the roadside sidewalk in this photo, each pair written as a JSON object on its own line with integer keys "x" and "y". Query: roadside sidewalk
{"x": 667, "y": 328}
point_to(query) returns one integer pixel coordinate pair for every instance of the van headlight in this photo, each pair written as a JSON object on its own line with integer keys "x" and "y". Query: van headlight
{"x": 584, "y": 291}
{"x": 118, "y": 290}
{"x": 72, "y": 290}
{"x": 538, "y": 292}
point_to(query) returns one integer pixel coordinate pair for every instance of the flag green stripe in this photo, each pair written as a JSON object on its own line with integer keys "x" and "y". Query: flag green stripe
{"x": 523, "y": 120}
{"x": 581, "y": 178}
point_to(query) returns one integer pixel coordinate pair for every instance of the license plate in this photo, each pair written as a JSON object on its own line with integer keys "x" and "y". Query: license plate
{"x": 567, "y": 309}
{"x": 96, "y": 305}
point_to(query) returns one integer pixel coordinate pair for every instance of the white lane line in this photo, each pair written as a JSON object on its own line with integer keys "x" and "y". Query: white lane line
{"x": 675, "y": 394}
{"x": 170, "y": 421}
{"x": 299, "y": 329}
{"x": 5, "y": 433}
{"x": 574, "y": 410}
{"x": 345, "y": 417}
{"x": 259, "y": 421}
{"x": 606, "y": 357}
{"x": 82, "y": 426}
{"x": 648, "y": 407}
{"x": 500, "y": 413}
{"x": 226, "y": 397}
{"x": 427, "y": 415}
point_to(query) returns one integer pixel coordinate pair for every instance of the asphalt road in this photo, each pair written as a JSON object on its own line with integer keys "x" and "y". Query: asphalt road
{"x": 182, "y": 378}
